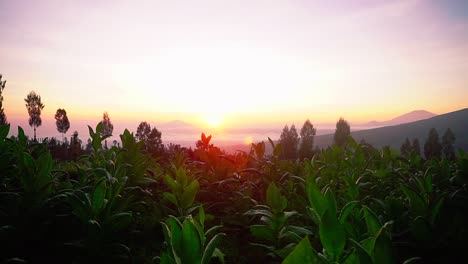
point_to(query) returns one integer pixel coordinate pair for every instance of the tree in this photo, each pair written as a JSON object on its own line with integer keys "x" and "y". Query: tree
{"x": 3, "y": 119}
{"x": 289, "y": 139}
{"x": 61, "y": 121}
{"x": 448, "y": 139}
{"x": 416, "y": 148}
{"x": 151, "y": 137}
{"x": 432, "y": 146}
{"x": 107, "y": 127}
{"x": 34, "y": 106}
{"x": 75, "y": 145}
{"x": 143, "y": 130}
{"x": 342, "y": 132}
{"x": 306, "y": 148}
{"x": 406, "y": 148}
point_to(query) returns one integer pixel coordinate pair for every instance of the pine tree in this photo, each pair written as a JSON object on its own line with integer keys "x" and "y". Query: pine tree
{"x": 406, "y": 148}
{"x": 34, "y": 106}
{"x": 306, "y": 149}
{"x": 432, "y": 146}
{"x": 342, "y": 132}
{"x": 289, "y": 139}
{"x": 416, "y": 147}
{"x": 61, "y": 121}
{"x": 448, "y": 139}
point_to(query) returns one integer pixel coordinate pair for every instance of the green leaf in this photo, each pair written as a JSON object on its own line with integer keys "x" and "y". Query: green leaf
{"x": 181, "y": 177}
{"x": 332, "y": 234}
{"x": 210, "y": 248}
{"x": 428, "y": 183}
{"x": 191, "y": 244}
{"x": 259, "y": 212}
{"x": 347, "y": 210}
{"x": 173, "y": 231}
{"x": 418, "y": 207}
{"x": 372, "y": 221}
{"x": 362, "y": 253}
{"x": 4, "y": 132}
{"x": 188, "y": 197}
{"x": 262, "y": 232}
{"x": 120, "y": 221}
{"x": 383, "y": 249}
{"x": 302, "y": 253}
{"x": 171, "y": 198}
{"x": 436, "y": 210}
{"x": 201, "y": 215}
{"x": 274, "y": 199}
{"x": 98, "y": 196}
{"x": 316, "y": 199}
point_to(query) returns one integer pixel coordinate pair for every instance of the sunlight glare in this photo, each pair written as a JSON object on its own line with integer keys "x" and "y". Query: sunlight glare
{"x": 213, "y": 121}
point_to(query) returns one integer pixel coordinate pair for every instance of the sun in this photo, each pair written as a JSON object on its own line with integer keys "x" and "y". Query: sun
{"x": 214, "y": 121}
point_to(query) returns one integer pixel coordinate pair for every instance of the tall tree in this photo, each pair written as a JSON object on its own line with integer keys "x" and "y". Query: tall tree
{"x": 416, "y": 147}
{"x": 107, "y": 127}
{"x": 3, "y": 119}
{"x": 342, "y": 132}
{"x": 289, "y": 139}
{"x": 151, "y": 137}
{"x": 34, "y": 106}
{"x": 406, "y": 148}
{"x": 143, "y": 130}
{"x": 61, "y": 121}
{"x": 448, "y": 139}
{"x": 432, "y": 146}
{"x": 75, "y": 145}
{"x": 306, "y": 148}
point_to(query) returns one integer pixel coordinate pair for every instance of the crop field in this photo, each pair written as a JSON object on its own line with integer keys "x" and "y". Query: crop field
{"x": 349, "y": 204}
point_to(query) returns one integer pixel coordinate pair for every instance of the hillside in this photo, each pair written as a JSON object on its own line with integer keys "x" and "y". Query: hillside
{"x": 395, "y": 135}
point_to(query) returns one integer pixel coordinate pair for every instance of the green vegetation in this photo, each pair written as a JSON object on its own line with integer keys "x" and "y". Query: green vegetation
{"x": 347, "y": 204}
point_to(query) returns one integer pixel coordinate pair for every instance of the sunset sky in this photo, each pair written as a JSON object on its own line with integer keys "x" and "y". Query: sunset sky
{"x": 239, "y": 63}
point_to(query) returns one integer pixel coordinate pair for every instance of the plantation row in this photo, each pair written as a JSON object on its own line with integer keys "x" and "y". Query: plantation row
{"x": 348, "y": 204}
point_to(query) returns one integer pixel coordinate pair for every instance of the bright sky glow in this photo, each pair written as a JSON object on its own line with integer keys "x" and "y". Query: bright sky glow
{"x": 234, "y": 63}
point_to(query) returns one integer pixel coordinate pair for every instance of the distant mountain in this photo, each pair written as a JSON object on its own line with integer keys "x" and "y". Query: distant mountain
{"x": 403, "y": 119}
{"x": 395, "y": 135}
{"x": 178, "y": 126}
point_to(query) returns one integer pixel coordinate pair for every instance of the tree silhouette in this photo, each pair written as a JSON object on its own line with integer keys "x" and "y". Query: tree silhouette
{"x": 432, "y": 146}
{"x": 289, "y": 139}
{"x": 34, "y": 107}
{"x": 306, "y": 148}
{"x": 151, "y": 137}
{"x": 143, "y": 130}
{"x": 448, "y": 139}
{"x": 107, "y": 126}
{"x": 342, "y": 132}
{"x": 3, "y": 119}
{"x": 406, "y": 148}
{"x": 61, "y": 121}
{"x": 75, "y": 145}
{"x": 416, "y": 147}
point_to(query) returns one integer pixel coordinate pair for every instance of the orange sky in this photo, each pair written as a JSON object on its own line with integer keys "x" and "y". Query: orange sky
{"x": 245, "y": 63}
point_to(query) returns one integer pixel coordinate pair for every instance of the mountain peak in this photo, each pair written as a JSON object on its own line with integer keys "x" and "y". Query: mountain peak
{"x": 412, "y": 116}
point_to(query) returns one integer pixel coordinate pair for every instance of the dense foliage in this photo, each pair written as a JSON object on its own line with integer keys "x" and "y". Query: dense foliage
{"x": 348, "y": 204}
